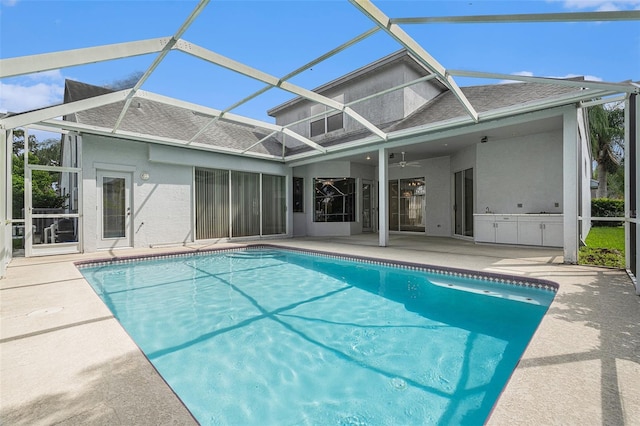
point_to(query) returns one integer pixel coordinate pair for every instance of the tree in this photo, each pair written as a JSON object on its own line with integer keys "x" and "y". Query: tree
{"x": 44, "y": 185}
{"x": 606, "y": 128}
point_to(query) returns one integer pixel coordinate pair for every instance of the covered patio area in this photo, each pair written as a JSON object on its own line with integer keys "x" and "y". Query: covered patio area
{"x": 65, "y": 359}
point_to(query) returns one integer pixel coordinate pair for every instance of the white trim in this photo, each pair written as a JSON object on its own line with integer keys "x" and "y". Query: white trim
{"x": 376, "y": 15}
{"x": 28, "y": 118}
{"x": 69, "y": 58}
{"x": 521, "y": 18}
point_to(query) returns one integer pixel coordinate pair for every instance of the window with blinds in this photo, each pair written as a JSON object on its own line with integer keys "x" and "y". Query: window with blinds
{"x": 236, "y": 204}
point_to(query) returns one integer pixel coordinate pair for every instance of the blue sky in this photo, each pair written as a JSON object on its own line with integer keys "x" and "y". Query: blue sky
{"x": 280, "y": 36}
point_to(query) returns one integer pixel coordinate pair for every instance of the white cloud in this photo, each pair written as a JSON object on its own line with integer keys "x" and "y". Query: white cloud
{"x": 52, "y": 75}
{"x": 602, "y": 5}
{"x": 8, "y": 2}
{"x": 25, "y": 97}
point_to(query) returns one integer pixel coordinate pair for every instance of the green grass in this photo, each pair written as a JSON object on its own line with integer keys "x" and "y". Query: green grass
{"x": 604, "y": 247}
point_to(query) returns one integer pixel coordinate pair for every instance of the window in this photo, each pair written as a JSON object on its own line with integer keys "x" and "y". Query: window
{"x": 326, "y": 124}
{"x": 331, "y": 121}
{"x": 335, "y": 199}
{"x": 238, "y": 204}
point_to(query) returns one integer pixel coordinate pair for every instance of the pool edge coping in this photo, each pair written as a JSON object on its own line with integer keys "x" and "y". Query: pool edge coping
{"x": 507, "y": 279}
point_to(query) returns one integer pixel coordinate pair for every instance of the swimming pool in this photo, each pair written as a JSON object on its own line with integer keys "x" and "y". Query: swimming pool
{"x": 266, "y": 336}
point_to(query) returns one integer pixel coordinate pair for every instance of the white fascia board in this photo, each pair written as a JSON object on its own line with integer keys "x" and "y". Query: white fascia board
{"x": 619, "y": 98}
{"x": 140, "y": 137}
{"x": 60, "y": 110}
{"x": 68, "y": 58}
{"x": 376, "y": 15}
{"x": 618, "y": 87}
{"x": 255, "y": 74}
{"x": 439, "y": 130}
{"x": 523, "y": 18}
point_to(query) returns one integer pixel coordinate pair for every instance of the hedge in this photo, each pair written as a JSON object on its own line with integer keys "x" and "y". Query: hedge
{"x": 606, "y": 207}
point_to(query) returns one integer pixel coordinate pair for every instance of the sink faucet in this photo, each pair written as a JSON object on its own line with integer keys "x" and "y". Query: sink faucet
{"x": 488, "y": 209}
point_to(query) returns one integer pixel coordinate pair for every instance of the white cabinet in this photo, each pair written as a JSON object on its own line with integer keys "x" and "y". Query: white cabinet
{"x": 553, "y": 232}
{"x": 506, "y": 229}
{"x": 484, "y": 229}
{"x": 537, "y": 230}
{"x": 530, "y": 231}
{"x": 496, "y": 229}
{"x": 524, "y": 229}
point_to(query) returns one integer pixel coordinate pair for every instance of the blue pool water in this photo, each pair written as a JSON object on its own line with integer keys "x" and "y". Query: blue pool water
{"x": 285, "y": 338}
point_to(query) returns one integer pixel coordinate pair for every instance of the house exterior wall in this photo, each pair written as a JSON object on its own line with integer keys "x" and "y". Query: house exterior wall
{"x": 525, "y": 170}
{"x": 304, "y": 224}
{"x": 436, "y": 172}
{"x": 380, "y": 110}
{"x": 162, "y": 207}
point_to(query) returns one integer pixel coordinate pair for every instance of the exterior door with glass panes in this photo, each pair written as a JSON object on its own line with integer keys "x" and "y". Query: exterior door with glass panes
{"x": 463, "y": 207}
{"x": 114, "y": 210}
{"x": 407, "y": 204}
{"x": 367, "y": 206}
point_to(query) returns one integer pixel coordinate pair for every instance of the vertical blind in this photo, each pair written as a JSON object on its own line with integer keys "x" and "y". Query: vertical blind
{"x": 212, "y": 204}
{"x": 245, "y": 204}
{"x": 273, "y": 205}
{"x": 229, "y": 204}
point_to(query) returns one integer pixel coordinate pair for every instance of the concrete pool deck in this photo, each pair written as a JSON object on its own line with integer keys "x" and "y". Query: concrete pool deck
{"x": 64, "y": 359}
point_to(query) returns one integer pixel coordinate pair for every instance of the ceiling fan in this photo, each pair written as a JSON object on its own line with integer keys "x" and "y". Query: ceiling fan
{"x": 403, "y": 163}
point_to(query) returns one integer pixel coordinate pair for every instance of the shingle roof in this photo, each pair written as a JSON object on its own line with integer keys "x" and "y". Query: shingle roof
{"x": 157, "y": 119}
{"x": 483, "y": 98}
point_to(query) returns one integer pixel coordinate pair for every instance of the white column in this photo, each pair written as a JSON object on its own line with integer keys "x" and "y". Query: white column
{"x": 5, "y": 194}
{"x": 570, "y": 185}
{"x": 383, "y": 197}
{"x": 631, "y": 108}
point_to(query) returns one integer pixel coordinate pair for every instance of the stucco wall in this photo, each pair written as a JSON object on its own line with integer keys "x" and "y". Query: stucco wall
{"x": 303, "y": 222}
{"x": 162, "y": 207}
{"x": 382, "y": 109}
{"x": 436, "y": 172}
{"x": 525, "y": 170}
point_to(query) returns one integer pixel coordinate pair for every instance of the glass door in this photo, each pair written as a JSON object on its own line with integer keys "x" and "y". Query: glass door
{"x": 367, "y": 206}
{"x": 407, "y": 205}
{"x": 114, "y": 218}
{"x": 463, "y": 207}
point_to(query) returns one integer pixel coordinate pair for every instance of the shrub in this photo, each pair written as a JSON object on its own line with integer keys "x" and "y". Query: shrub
{"x": 606, "y": 207}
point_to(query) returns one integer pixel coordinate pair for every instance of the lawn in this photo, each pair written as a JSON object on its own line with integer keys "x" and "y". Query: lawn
{"x": 604, "y": 247}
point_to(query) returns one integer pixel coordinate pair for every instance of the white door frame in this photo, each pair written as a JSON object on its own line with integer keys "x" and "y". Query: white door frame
{"x": 124, "y": 240}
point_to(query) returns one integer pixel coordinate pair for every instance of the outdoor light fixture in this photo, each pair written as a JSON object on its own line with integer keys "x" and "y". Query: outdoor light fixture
{"x": 484, "y": 139}
{"x": 144, "y": 176}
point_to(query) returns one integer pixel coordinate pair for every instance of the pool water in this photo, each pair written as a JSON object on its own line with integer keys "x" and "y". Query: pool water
{"x": 280, "y": 337}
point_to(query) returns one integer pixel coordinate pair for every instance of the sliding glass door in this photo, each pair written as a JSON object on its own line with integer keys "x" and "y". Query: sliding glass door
{"x": 407, "y": 205}
{"x": 232, "y": 204}
{"x": 212, "y": 204}
{"x": 463, "y": 207}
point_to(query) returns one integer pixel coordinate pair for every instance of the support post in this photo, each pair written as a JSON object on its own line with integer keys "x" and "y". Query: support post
{"x": 631, "y": 186}
{"x": 6, "y": 241}
{"x": 383, "y": 196}
{"x": 570, "y": 185}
